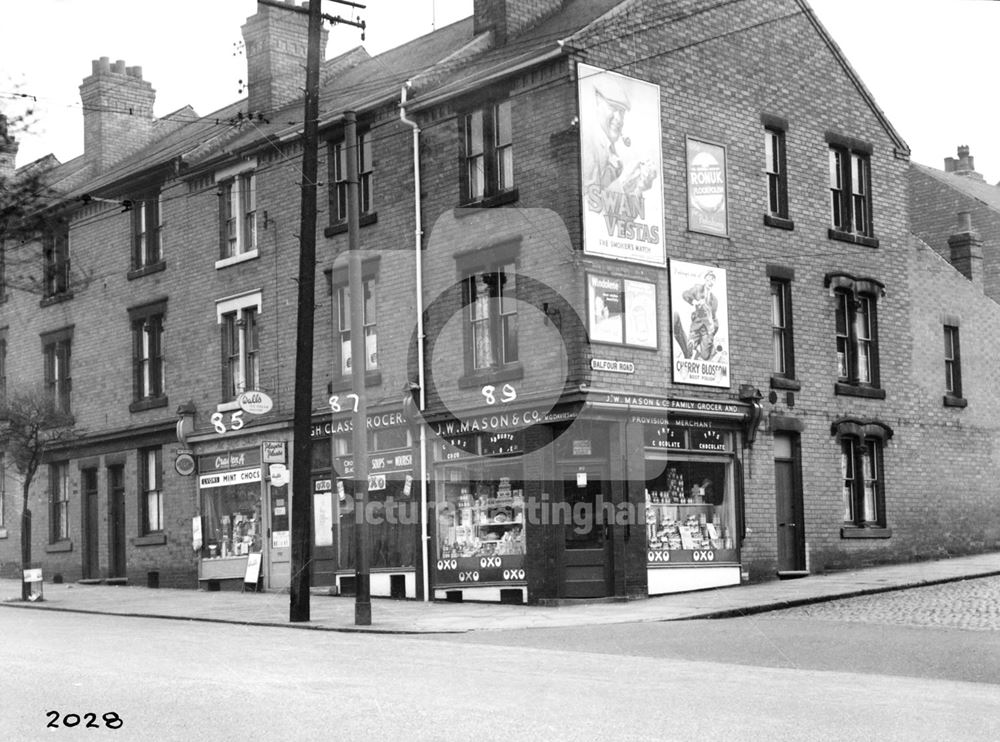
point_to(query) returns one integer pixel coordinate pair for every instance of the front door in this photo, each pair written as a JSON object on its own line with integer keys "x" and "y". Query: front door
{"x": 324, "y": 568}
{"x": 587, "y": 556}
{"x": 279, "y": 547}
{"x": 788, "y": 503}
{"x": 91, "y": 528}
{"x": 116, "y": 521}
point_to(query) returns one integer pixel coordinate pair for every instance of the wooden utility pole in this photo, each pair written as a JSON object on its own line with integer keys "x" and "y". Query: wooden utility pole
{"x": 302, "y": 510}
{"x": 359, "y": 366}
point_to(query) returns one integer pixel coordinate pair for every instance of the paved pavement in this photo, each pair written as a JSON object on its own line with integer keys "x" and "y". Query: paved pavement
{"x": 407, "y": 616}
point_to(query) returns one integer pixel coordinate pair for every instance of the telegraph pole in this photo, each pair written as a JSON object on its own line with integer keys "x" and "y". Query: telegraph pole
{"x": 359, "y": 366}
{"x": 302, "y": 510}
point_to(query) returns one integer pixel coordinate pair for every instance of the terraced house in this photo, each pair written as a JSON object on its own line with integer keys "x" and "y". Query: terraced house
{"x": 643, "y": 313}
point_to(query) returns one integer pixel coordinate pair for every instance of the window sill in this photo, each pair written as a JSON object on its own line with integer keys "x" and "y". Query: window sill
{"x": 856, "y": 390}
{"x": 146, "y": 270}
{"x": 512, "y": 372}
{"x": 147, "y": 404}
{"x": 341, "y": 226}
{"x": 865, "y": 532}
{"x": 779, "y": 222}
{"x": 59, "y": 546}
{"x": 241, "y": 258}
{"x": 487, "y": 202}
{"x": 150, "y": 539}
{"x": 345, "y": 383}
{"x": 854, "y": 239}
{"x": 48, "y": 301}
{"x": 783, "y": 382}
{"x": 953, "y": 401}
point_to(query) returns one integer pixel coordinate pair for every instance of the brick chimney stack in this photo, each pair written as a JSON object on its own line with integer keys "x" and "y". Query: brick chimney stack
{"x": 964, "y": 165}
{"x": 8, "y": 150}
{"x": 508, "y": 18}
{"x": 276, "y": 41}
{"x": 967, "y": 249}
{"x": 117, "y": 113}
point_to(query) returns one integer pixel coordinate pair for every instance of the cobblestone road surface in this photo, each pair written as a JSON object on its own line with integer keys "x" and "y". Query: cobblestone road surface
{"x": 973, "y": 605}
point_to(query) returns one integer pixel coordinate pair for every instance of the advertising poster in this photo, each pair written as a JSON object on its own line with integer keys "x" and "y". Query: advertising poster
{"x": 621, "y": 311}
{"x": 706, "y": 176}
{"x": 621, "y": 166}
{"x": 699, "y": 324}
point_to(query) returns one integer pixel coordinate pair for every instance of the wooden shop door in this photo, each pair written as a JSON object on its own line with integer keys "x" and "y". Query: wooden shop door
{"x": 587, "y": 556}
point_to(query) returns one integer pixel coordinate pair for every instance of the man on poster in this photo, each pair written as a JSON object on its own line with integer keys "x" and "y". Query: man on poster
{"x": 603, "y": 164}
{"x": 699, "y": 341}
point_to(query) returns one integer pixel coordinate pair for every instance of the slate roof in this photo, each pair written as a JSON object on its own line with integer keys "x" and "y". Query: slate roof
{"x": 987, "y": 194}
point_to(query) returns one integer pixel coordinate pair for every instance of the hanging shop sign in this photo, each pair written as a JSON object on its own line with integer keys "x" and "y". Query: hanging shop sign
{"x": 699, "y": 324}
{"x": 622, "y": 166}
{"x": 255, "y": 402}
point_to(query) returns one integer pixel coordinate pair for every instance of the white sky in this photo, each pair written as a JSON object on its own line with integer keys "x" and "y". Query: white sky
{"x": 930, "y": 64}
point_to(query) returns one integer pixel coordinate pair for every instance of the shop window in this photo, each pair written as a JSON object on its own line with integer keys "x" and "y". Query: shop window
{"x": 58, "y": 502}
{"x": 691, "y": 514}
{"x": 488, "y": 155}
{"x": 338, "y": 183}
{"x": 952, "y": 368}
{"x": 775, "y": 168}
{"x": 239, "y": 320}
{"x": 856, "y": 324}
{"x": 146, "y": 247}
{"x": 230, "y": 486}
{"x": 148, "y": 387}
{"x": 237, "y": 215}
{"x": 850, "y": 191}
{"x": 55, "y": 264}
{"x": 58, "y": 383}
{"x": 150, "y": 491}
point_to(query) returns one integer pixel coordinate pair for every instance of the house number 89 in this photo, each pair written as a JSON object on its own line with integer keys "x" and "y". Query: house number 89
{"x": 508, "y": 394}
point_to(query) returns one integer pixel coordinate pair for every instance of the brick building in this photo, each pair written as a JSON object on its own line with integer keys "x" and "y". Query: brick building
{"x": 643, "y": 313}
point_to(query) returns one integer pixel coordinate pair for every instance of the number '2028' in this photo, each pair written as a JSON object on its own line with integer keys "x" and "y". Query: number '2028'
{"x": 89, "y": 720}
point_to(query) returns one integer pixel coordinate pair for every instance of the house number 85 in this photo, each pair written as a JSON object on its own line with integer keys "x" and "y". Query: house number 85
{"x": 235, "y": 422}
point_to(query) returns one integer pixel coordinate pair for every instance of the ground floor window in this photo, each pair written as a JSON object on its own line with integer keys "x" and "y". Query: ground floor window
{"x": 232, "y": 521}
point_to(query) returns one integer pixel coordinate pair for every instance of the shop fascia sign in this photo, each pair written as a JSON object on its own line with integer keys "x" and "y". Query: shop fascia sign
{"x": 669, "y": 404}
{"x": 507, "y": 420}
{"x": 346, "y": 424}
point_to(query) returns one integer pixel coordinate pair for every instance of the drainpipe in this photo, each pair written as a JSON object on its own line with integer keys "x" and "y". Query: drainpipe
{"x": 419, "y": 275}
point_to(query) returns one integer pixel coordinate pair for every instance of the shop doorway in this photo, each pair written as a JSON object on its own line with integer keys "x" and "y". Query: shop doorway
{"x": 279, "y": 545}
{"x": 788, "y": 505}
{"x": 587, "y": 555}
{"x": 91, "y": 528}
{"x": 116, "y": 521}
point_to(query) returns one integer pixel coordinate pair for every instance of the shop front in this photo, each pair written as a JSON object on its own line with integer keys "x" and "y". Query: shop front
{"x": 392, "y": 511}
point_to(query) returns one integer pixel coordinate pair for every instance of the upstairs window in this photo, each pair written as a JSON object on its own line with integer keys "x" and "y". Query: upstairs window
{"x": 491, "y": 318}
{"x": 856, "y": 322}
{"x": 145, "y": 211}
{"x": 58, "y": 383}
{"x": 55, "y": 259}
{"x": 850, "y": 192}
{"x": 238, "y": 216}
{"x": 239, "y": 321}
{"x": 775, "y": 170}
{"x": 148, "y": 387}
{"x": 952, "y": 368}
{"x": 370, "y": 325}
{"x": 781, "y": 328}
{"x": 488, "y": 173}
{"x": 338, "y": 181}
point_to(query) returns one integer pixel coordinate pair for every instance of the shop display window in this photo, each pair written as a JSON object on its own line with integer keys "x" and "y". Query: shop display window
{"x": 232, "y": 521}
{"x": 480, "y": 510}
